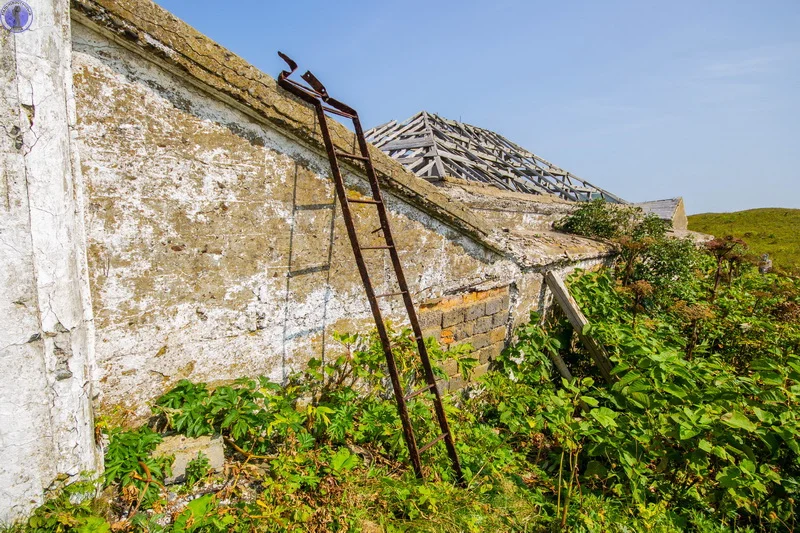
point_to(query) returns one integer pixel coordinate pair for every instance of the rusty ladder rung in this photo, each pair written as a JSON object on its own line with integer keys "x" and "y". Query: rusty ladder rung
{"x": 337, "y": 112}
{"x": 364, "y": 201}
{"x": 351, "y": 156}
{"x": 387, "y": 247}
{"x": 418, "y": 392}
{"x": 431, "y": 443}
{"x": 387, "y": 294}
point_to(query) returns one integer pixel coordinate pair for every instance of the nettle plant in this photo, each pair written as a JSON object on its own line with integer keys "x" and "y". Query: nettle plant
{"x": 600, "y": 220}
{"x": 682, "y": 439}
{"x": 699, "y": 432}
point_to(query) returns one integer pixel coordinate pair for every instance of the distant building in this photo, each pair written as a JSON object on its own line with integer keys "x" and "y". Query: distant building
{"x": 671, "y": 209}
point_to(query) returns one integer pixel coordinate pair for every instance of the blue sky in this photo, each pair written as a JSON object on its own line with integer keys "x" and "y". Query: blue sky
{"x": 649, "y": 100}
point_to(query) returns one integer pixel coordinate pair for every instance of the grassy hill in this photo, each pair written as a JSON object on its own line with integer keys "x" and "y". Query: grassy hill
{"x": 775, "y": 231}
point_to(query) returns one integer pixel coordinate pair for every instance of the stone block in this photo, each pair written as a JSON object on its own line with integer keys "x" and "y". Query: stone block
{"x": 456, "y": 383}
{"x": 430, "y": 319}
{"x": 185, "y": 449}
{"x": 450, "y": 367}
{"x": 504, "y": 302}
{"x": 483, "y": 324}
{"x": 428, "y": 304}
{"x": 463, "y": 330}
{"x": 479, "y": 370}
{"x": 479, "y": 341}
{"x": 453, "y": 317}
{"x": 500, "y": 319}
{"x": 475, "y": 311}
{"x": 447, "y": 337}
{"x": 489, "y": 353}
{"x": 436, "y": 333}
{"x": 497, "y": 335}
{"x": 495, "y": 305}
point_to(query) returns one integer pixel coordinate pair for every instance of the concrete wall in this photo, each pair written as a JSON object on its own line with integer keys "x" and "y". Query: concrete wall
{"x": 507, "y": 209}
{"x": 46, "y": 430}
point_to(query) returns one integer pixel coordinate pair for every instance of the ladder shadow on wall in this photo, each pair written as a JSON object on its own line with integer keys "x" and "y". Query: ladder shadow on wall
{"x": 308, "y": 273}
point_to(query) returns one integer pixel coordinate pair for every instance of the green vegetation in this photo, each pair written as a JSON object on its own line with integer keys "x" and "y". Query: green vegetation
{"x": 772, "y": 231}
{"x": 600, "y": 220}
{"x": 698, "y": 432}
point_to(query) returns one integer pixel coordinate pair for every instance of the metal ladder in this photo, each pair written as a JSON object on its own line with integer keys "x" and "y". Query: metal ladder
{"x": 317, "y": 96}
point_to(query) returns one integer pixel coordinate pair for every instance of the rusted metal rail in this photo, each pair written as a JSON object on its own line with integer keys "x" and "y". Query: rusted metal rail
{"x": 316, "y": 95}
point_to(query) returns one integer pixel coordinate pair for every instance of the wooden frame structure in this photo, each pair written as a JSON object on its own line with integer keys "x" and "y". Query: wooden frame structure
{"x": 432, "y": 147}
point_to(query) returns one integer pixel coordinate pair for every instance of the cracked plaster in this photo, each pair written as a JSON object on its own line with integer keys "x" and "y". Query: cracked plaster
{"x": 46, "y": 429}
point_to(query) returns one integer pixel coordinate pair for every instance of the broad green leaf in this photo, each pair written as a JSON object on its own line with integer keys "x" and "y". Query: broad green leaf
{"x": 729, "y": 477}
{"x": 343, "y": 460}
{"x": 790, "y": 438}
{"x": 591, "y": 402}
{"x": 686, "y": 431}
{"x": 675, "y": 391}
{"x": 737, "y": 419}
{"x": 764, "y": 416}
{"x": 641, "y": 399}
{"x": 604, "y": 415}
{"x": 596, "y": 468}
{"x": 94, "y": 524}
{"x": 747, "y": 466}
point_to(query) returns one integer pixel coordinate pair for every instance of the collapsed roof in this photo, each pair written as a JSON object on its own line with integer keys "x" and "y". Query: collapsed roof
{"x": 432, "y": 147}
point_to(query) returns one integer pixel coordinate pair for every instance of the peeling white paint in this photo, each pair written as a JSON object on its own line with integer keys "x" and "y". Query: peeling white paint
{"x": 46, "y": 426}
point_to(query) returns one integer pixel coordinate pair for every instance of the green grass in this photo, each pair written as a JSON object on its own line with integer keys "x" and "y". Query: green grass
{"x": 770, "y": 230}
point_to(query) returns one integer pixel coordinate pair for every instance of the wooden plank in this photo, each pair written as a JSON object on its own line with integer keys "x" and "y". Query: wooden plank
{"x": 425, "y": 168}
{"x": 417, "y": 142}
{"x": 399, "y": 130}
{"x": 560, "y": 365}
{"x": 579, "y": 322}
{"x": 377, "y": 132}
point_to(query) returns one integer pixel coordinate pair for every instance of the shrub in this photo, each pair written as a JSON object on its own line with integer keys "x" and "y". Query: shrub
{"x": 600, "y": 220}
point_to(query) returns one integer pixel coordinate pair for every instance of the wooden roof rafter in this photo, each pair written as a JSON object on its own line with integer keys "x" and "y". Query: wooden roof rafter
{"x": 432, "y": 147}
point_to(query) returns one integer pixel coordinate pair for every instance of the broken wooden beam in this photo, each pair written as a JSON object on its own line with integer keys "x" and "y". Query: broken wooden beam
{"x": 579, "y": 323}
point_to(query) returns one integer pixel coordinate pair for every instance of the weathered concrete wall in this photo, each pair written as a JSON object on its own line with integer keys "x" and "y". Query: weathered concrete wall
{"x": 197, "y": 217}
{"x": 46, "y": 429}
{"x": 507, "y": 209}
{"x": 679, "y": 220}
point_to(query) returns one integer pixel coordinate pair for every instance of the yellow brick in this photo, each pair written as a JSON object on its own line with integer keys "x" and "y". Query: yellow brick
{"x": 497, "y": 335}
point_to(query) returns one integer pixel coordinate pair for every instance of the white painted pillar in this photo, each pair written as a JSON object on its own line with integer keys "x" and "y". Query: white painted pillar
{"x": 46, "y": 333}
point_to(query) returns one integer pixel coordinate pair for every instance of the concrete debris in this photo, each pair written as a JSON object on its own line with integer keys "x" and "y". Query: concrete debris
{"x": 186, "y": 449}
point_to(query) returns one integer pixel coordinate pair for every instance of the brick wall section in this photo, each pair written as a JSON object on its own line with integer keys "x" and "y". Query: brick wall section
{"x": 479, "y": 319}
